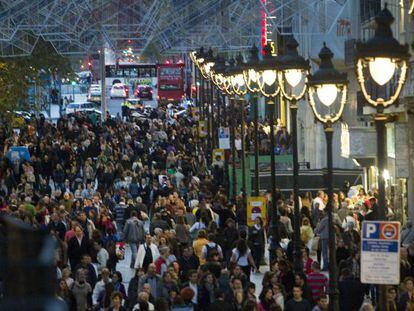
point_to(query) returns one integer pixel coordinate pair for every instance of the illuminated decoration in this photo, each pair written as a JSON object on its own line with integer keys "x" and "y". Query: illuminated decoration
{"x": 198, "y": 57}
{"x": 411, "y": 9}
{"x": 293, "y": 69}
{"x": 268, "y": 73}
{"x": 327, "y": 94}
{"x": 207, "y": 64}
{"x": 217, "y": 72}
{"x": 250, "y": 74}
{"x": 382, "y": 60}
{"x": 381, "y": 69}
{"x": 235, "y": 75}
{"x": 293, "y": 77}
{"x": 266, "y": 32}
{"x": 227, "y": 86}
{"x": 327, "y": 83}
{"x": 128, "y": 56}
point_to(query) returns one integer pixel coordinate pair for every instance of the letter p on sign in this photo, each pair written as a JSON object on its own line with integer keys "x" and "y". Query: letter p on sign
{"x": 371, "y": 229}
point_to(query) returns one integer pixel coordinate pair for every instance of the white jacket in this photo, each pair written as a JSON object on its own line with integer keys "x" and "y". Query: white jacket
{"x": 141, "y": 255}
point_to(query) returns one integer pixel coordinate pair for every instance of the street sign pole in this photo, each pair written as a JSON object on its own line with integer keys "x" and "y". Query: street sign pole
{"x": 380, "y": 254}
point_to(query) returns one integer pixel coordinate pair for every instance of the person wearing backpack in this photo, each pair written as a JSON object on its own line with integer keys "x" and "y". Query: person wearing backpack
{"x": 134, "y": 234}
{"x": 210, "y": 247}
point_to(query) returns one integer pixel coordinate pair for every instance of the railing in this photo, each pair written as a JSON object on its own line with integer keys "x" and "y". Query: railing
{"x": 369, "y": 9}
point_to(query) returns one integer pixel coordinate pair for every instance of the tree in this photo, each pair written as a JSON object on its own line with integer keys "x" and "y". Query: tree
{"x": 17, "y": 75}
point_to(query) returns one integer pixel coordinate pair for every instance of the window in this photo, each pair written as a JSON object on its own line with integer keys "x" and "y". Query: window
{"x": 169, "y": 87}
{"x": 369, "y": 9}
{"x": 170, "y": 72}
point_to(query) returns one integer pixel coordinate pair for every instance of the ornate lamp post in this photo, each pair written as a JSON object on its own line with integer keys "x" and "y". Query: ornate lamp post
{"x": 269, "y": 88}
{"x": 198, "y": 59}
{"x": 324, "y": 87}
{"x": 217, "y": 77}
{"x": 293, "y": 71}
{"x": 251, "y": 78}
{"x": 225, "y": 85}
{"x": 237, "y": 83}
{"x": 383, "y": 62}
{"x": 205, "y": 69}
{"x": 378, "y": 61}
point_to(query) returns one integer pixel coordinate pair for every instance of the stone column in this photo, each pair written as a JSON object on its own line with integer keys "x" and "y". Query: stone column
{"x": 410, "y": 180}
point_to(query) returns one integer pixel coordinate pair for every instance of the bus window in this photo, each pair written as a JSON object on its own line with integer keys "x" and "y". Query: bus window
{"x": 169, "y": 87}
{"x": 133, "y": 72}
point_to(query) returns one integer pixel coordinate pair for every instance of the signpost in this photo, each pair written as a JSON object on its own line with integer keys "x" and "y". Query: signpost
{"x": 380, "y": 252}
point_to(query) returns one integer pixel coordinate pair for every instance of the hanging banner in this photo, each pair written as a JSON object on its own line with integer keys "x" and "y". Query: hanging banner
{"x": 224, "y": 138}
{"x": 18, "y": 153}
{"x": 218, "y": 153}
{"x": 195, "y": 112}
{"x": 256, "y": 207}
{"x": 202, "y": 128}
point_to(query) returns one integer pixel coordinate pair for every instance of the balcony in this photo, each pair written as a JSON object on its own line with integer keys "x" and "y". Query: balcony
{"x": 369, "y": 9}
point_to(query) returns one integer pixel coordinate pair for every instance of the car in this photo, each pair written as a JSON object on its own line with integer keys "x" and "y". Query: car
{"x": 94, "y": 93}
{"x": 144, "y": 91}
{"x": 119, "y": 90}
{"x": 135, "y": 103}
{"x": 79, "y": 107}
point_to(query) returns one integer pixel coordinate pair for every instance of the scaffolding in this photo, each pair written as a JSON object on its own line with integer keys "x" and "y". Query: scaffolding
{"x": 173, "y": 26}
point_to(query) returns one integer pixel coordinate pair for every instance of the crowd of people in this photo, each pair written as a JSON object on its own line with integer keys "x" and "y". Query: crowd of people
{"x": 143, "y": 192}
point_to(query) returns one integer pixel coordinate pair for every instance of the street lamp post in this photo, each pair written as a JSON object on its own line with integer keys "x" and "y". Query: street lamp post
{"x": 269, "y": 88}
{"x": 236, "y": 81}
{"x": 251, "y": 78}
{"x": 293, "y": 70}
{"x": 226, "y": 85}
{"x": 325, "y": 84}
{"x": 378, "y": 61}
{"x": 218, "y": 77}
{"x": 205, "y": 69}
{"x": 198, "y": 59}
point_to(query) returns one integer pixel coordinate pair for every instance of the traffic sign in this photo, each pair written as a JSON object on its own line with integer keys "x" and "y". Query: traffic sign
{"x": 380, "y": 252}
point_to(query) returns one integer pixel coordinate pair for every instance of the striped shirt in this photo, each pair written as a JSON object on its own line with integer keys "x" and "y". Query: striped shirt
{"x": 318, "y": 283}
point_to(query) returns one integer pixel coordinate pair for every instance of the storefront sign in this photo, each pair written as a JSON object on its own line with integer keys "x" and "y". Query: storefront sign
{"x": 380, "y": 252}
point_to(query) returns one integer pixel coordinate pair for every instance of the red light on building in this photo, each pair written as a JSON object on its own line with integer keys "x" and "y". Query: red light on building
{"x": 167, "y": 62}
{"x": 263, "y": 25}
{"x": 180, "y": 61}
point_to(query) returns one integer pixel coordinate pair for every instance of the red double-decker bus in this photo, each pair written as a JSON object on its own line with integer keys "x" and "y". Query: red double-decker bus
{"x": 170, "y": 83}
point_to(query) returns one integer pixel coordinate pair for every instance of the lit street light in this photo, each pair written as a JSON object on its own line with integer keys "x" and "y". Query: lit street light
{"x": 293, "y": 71}
{"x": 383, "y": 62}
{"x": 324, "y": 88}
{"x": 236, "y": 80}
{"x": 251, "y": 78}
{"x": 269, "y": 88}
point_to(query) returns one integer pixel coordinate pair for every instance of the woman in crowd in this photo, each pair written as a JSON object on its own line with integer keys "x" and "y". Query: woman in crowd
{"x": 257, "y": 240}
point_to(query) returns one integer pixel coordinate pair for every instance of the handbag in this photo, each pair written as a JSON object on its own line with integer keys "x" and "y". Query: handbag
{"x": 315, "y": 243}
{"x": 233, "y": 264}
